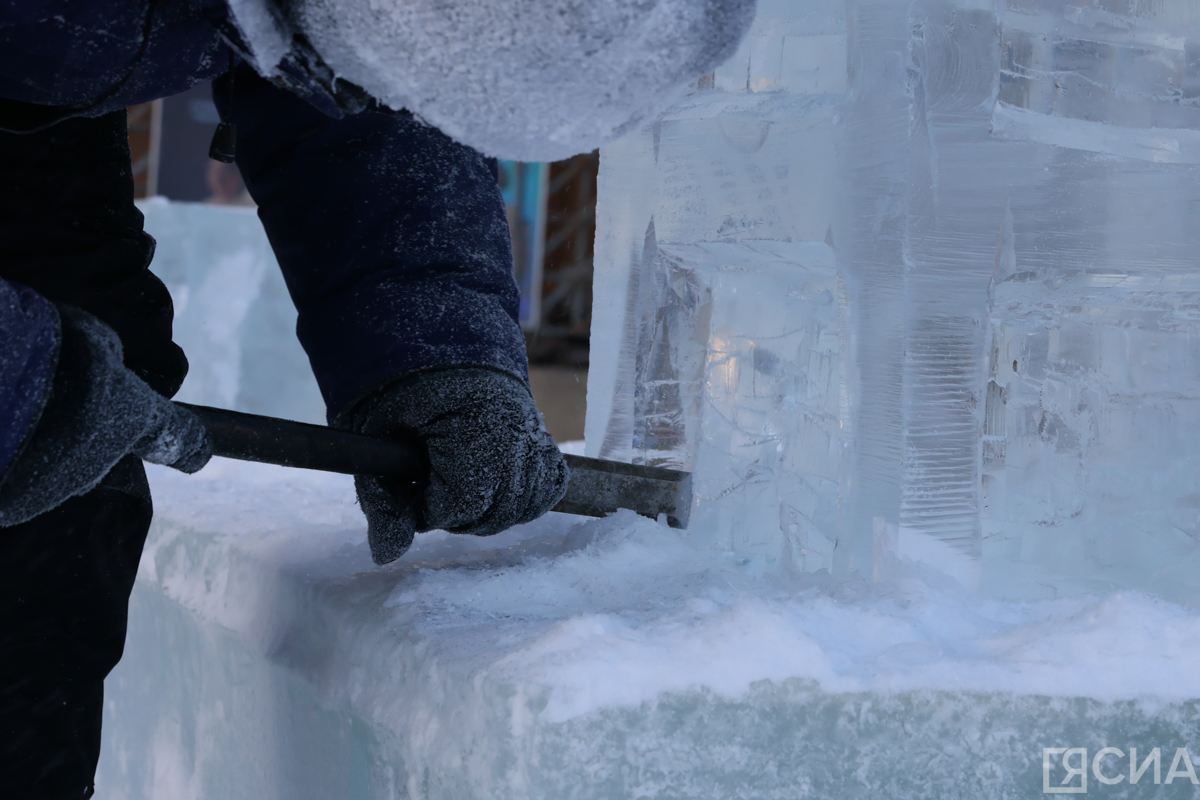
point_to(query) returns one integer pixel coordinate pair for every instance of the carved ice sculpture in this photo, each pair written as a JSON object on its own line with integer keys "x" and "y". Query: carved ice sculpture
{"x": 921, "y": 277}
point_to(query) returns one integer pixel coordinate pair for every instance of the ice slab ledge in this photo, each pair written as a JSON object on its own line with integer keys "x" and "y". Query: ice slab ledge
{"x": 268, "y": 657}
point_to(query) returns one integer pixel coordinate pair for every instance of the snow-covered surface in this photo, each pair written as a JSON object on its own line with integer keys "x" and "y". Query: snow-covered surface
{"x": 616, "y": 611}
{"x": 265, "y": 645}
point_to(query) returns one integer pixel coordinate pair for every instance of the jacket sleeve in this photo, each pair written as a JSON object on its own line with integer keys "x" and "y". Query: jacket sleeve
{"x": 392, "y": 238}
{"x": 70, "y": 232}
{"x": 70, "y": 235}
{"x": 29, "y": 337}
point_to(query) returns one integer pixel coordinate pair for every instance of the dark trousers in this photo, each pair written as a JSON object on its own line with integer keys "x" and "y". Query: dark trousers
{"x": 69, "y": 230}
{"x": 65, "y": 580}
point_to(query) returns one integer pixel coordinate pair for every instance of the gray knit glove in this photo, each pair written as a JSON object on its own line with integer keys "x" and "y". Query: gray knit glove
{"x": 493, "y": 465}
{"x": 96, "y": 413}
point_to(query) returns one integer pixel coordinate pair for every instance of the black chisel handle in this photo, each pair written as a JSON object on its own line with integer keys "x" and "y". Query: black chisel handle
{"x": 596, "y": 487}
{"x": 250, "y": 437}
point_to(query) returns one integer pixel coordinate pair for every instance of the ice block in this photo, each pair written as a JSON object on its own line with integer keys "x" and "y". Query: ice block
{"x": 1005, "y": 194}
{"x": 268, "y": 657}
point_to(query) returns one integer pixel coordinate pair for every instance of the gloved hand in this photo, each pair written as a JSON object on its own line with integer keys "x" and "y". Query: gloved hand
{"x": 97, "y": 412}
{"x": 493, "y": 465}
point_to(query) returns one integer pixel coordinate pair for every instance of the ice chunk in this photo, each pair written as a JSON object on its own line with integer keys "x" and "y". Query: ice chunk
{"x": 233, "y": 316}
{"x": 990, "y": 179}
{"x": 736, "y": 375}
{"x": 719, "y": 274}
{"x": 268, "y": 657}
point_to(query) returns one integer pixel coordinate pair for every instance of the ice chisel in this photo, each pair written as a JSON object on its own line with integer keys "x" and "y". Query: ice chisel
{"x": 596, "y": 487}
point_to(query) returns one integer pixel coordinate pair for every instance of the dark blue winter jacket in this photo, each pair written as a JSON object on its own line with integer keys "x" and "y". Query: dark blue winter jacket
{"x": 392, "y": 238}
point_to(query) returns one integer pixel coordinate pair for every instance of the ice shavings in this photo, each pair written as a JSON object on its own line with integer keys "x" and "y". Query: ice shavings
{"x": 620, "y": 611}
{"x": 638, "y": 613}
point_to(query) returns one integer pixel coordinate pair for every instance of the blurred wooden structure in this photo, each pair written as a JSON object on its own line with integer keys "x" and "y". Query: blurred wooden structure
{"x": 145, "y": 141}
{"x": 566, "y": 306}
{"x": 564, "y": 316}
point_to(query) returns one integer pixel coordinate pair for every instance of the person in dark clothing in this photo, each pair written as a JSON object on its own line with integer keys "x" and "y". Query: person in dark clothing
{"x": 392, "y": 238}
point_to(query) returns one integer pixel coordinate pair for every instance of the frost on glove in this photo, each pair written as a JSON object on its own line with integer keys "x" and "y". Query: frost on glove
{"x": 97, "y": 412}
{"x": 492, "y": 462}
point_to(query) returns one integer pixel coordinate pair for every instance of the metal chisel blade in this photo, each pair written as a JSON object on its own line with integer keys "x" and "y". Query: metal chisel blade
{"x": 598, "y": 487}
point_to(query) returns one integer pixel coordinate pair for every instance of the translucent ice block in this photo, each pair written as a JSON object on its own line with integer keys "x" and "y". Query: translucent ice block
{"x": 603, "y": 660}
{"x": 233, "y": 316}
{"x": 738, "y": 371}
{"x": 995, "y": 184}
{"x": 1091, "y": 443}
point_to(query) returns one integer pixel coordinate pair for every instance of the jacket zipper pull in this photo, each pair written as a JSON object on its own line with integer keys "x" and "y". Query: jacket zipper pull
{"x": 224, "y": 141}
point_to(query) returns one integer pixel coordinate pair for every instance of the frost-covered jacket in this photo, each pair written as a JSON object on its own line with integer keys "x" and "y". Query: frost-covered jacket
{"x": 392, "y": 238}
